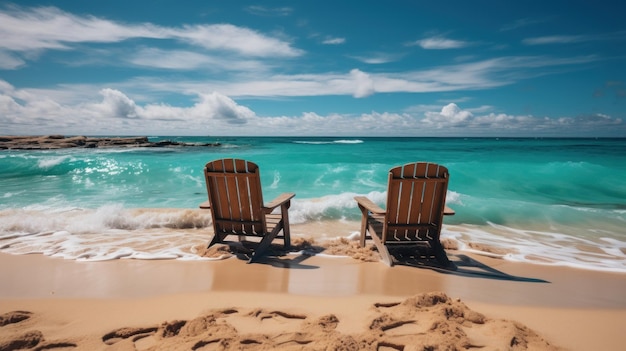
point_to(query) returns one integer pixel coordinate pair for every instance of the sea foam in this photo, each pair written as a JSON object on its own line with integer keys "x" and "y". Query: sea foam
{"x": 114, "y": 232}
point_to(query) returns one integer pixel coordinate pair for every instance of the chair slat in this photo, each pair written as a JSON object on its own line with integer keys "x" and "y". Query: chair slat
{"x": 416, "y": 206}
{"x": 393, "y": 198}
{"x": 428, "y": 201}
{"x": 222, "y": 210}
{"x": 404, "y": 205}
{"x": 243, "y": 195}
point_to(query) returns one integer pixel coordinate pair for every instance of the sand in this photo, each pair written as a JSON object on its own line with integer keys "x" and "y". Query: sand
{"x": 306, "y": 303}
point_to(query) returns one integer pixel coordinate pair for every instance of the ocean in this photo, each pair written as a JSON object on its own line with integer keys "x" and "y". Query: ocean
{"x": 543, "y": 201}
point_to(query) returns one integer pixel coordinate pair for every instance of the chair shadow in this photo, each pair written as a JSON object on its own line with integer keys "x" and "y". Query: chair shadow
{"x": 460, "y": 265}
{"x": 275, "y": 256}
{"x": 289, "y": 263}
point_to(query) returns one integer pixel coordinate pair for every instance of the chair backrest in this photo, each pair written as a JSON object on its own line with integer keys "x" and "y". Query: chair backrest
{"x": 416, "y": 197}
{"x": 235, "y": 194}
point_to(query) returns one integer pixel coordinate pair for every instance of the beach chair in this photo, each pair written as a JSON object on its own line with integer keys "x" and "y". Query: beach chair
{"x": 416, "y": 195}
{"x": 237, "y": 208}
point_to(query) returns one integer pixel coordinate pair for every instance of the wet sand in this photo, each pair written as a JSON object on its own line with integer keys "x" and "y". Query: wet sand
{"x": 324, "y": 301}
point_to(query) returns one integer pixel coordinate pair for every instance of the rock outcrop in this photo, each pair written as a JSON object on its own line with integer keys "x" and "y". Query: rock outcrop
{"x": 51, "y": 142}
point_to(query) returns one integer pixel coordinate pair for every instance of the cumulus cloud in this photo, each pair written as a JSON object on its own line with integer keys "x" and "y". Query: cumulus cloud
{"x": 220, "y": 107}
{"x": 449, "y": 115}
{"x": 452, "y": 118}
{"x": 116, "y": 105}
{"x": 22, "y": 112}
{"x": 114, "y": 112}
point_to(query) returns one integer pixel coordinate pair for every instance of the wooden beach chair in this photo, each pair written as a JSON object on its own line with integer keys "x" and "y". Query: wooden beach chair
{"x": 416, "y": 195}
{"x": 237, "y": 208}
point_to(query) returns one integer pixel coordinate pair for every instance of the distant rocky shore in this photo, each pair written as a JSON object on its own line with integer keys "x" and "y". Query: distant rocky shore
{"x": 50, "y": 142}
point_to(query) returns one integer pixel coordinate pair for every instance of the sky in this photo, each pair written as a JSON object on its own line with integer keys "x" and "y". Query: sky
{"x": 314, "y": 68}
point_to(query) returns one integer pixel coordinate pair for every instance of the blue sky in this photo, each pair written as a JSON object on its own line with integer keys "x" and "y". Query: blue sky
{"x": 319, "y": 68}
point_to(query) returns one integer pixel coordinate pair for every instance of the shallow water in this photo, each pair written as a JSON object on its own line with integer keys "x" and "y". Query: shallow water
{"x": 548, "y": 201}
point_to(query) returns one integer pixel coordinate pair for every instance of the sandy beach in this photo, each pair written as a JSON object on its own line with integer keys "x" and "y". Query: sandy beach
{"x": 301, "y": 302}
{"x": 299, "y": 175}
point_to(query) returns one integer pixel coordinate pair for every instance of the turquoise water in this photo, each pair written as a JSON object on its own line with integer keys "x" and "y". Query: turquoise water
{"x": 561, "y": 200}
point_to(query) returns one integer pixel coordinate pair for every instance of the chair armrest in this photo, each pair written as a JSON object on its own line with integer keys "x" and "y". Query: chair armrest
{"x": 205, "y": 205}
{"x": 366, "y": 203}
{"x": 279, "y": 201}
{"x": 447, "y": 211}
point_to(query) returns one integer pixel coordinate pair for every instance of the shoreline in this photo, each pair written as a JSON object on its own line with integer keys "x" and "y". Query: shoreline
{"x": 141, "y": 233}
{"x": 81, "y": 301}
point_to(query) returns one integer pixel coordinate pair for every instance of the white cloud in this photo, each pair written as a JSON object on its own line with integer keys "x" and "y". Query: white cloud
{"x": 459, "y": 77}
{"x": 440, "y": 43}
{"x": 452, "y": 117}
{"x": 334, "y": 41}
{"x": 216, "y": 106}
{"x": 449, "y": 115}
{"x": 377, "y": 58}
{"x": 363, "y": 83}
{"x": 116, "y": 105}
{"x": 45, "y": 28}
{"x": 214, "y": 113}
{"x": 189, "y": 60}
{"x": 170, "y": 59}
{"x": 237, "y": 39}
{"x": 9, "y": 61}
{"x": 556, "y": 39}
{"x": 23, "y": 29}
{"x": 115, "y": 113}
{"x": 569, "y": 39}
{"x": 271, "y": 12}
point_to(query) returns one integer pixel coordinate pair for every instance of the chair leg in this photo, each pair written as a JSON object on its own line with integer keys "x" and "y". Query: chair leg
{"x": 440, "y": 253}
{"x": 363, "y": 226}
{"x": 265, "y": 243}
{"x": 382, "y": 249}
{"x": 284, "y": 210}
{"x": 217, "y": 238}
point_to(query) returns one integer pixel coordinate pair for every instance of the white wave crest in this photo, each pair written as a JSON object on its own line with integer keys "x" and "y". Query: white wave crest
{"x": 348, "y": 141}
{"x": 329, "y": 207}
{"x": 109, "y": 217}
{"x": 49, "y": 162}
{"x": 324, "y": 142}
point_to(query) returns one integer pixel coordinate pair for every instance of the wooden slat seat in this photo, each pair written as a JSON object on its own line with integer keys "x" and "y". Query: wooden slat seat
{"x": 237, "y": 208}
{"x": 416, "y": 195}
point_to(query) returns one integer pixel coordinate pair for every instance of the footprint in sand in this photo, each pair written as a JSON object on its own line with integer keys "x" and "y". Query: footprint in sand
{"x": 22, "y": 341}
{"x": 14, "y": 317}
{"x": 262, "y": 314}
{"x": 33, "y": 339}
{"x": 206, "y": 328}
{"x": 132, "y": 334}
